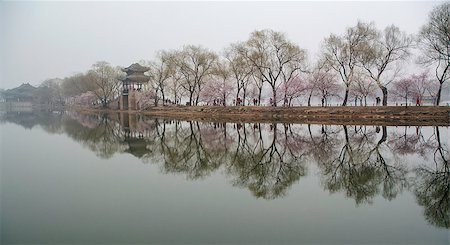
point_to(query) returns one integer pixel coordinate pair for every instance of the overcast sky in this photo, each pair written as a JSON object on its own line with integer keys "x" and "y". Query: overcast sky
{"x": 40, "y": 40}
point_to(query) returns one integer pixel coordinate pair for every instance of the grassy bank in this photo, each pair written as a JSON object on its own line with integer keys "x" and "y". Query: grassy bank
{"x": 390, "y": 115}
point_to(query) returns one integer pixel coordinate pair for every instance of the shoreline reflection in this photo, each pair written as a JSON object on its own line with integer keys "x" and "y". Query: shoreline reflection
{"x": 360, "y": 162}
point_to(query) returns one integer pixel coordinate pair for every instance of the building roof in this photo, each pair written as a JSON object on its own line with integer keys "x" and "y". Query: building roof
{"x": 136, "y": 78}
{"x": 136, "y": 68}
{"x": 23, "y": 91}
{"x": 137, "y": 147}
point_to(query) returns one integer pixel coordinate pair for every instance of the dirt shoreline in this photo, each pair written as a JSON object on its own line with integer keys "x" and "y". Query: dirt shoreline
{"x": 348, "y": 115}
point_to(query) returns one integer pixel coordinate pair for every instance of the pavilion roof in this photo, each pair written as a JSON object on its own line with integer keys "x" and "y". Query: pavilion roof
{"x": 24, "y": 90}
{"x": 136, "y": 67}
{"x": 136, "y": 78}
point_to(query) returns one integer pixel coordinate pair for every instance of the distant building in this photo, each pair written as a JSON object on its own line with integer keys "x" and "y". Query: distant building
{"x": 23, "y": 93}
{"x": 132, "y": 83}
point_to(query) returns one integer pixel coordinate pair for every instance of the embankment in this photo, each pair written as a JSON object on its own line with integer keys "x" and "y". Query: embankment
{"x": 390, "y": 115}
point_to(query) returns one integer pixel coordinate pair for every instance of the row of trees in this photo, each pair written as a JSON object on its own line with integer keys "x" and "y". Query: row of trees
{"x": 101, "y": 84}
{"x": 268, "y": 66}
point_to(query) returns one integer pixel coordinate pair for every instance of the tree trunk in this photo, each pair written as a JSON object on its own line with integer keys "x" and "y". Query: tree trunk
{"x": 309, "y": 99}
{"x": 384, "y": 135}
{"x": 259, "y": 95}
{"x": 197, "y": 98}
{"x": 274, "y": 93}
{"x": 344, "y": 103}
{"x": 438, "y": 99}
{"x": 385, "y": 94}
{"x": 191, "y": 97}
{"x": 237, "y": 96}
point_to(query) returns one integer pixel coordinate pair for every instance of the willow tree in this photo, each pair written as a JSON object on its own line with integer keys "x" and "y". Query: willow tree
{"x": 160, "y": 72}
{"x": 434, "y": 40}
{"x": 106, "y": 81}
{"x": 218, "y": 87}
{"x": 240, "y": 69}
{"x": 273, "y": 57}
{"x": 342, "y": 52}
{"x": 382, "y": 53}
{"x": 195, "y": 64}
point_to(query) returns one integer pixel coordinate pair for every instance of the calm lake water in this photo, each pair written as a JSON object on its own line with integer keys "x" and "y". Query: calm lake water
{"x": 74, "y": 178}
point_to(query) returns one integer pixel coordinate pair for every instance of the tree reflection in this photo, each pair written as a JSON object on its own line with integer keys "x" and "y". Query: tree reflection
{"x": 185, "y": 151}
{"x": 267, "y": 167}
{"x": 360, "y": 170}
{"x": 362, "y": 162}
{"x": 432, "y": 186}
{"x": 99, "y": 133}
{"x": 50, "y": 121}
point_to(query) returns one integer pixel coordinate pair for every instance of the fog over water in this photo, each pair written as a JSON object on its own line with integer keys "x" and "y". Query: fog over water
{"x": 41, "y": 40}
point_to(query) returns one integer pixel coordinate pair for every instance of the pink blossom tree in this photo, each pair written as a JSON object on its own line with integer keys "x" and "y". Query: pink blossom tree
{"x": 361, "y": 89}
{"x": 404, "y": 89}
{"x": 144, "y": 99}
{"x": 423, "y": 86}
{"x": 87, "y": 99}
{"x": 216, "y": 90}
{"x": 291, "y": 89}
{"x": 323, "y": 84}
{"x": 327, "y": 88}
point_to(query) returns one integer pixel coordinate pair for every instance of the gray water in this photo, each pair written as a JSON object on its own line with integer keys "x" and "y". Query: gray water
{"x": 73, "y": 178}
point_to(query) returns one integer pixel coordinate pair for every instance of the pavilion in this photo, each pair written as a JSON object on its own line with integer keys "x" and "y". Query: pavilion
{"x": 131, "y": 84}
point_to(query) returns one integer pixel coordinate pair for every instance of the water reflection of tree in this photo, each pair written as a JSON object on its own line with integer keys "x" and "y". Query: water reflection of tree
{"x": 267, "y": 170}
{"x": 102, "y": 136}
{"x": 359, "y": 161}
{"x": 432, "y": 186}
{"x": 182, "y": 149}
{"x": 406, "y": 143}
{"x": 360, "y": 169}
{"x": 50, "y": 121}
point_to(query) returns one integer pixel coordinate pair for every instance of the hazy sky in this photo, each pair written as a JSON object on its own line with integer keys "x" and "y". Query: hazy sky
{"x": 40, "y": 40}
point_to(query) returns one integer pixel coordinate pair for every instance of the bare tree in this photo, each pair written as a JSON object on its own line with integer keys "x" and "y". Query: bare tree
{"x": 342, "y": 52}
{"x": 327, "y": 87}
{"x": 362, "y": 88}
{"x": 404, "y": 89}
{"x": 106, "y": 79}
{"x": 434, "y": 40}
{"x": 55, "y": 88}
{"x": 380, "y": 54}
{"x": 258, "y": 83}
{"x": 322, "y": 83}
{"x": 222, "y": 85}
{"x": 274, "y": 57}
{"x": 240, "y": 69}
{"x": 160, "y": 72}
{"x": 174, "y": 86}
{"x": 77, "y": 84}
{"x": 422, "y": 86}
{"x": 194, "y": 64}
